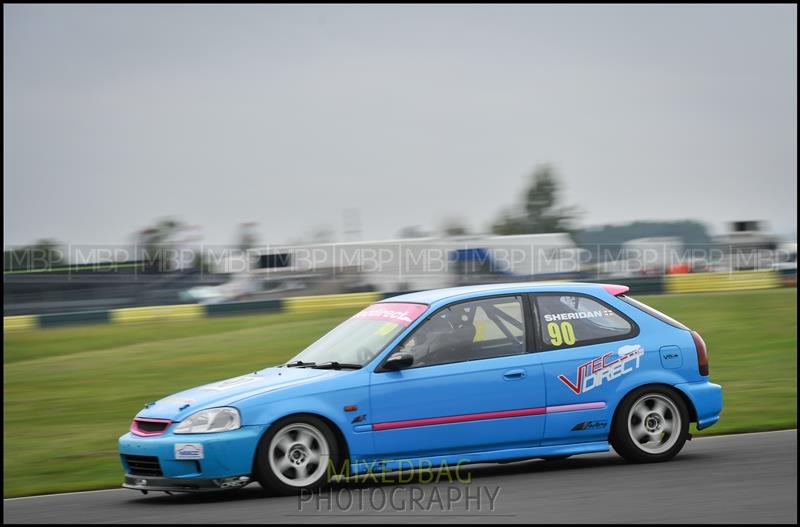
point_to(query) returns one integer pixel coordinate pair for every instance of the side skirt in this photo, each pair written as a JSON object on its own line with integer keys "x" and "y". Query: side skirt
{"x": 468, "y": 458}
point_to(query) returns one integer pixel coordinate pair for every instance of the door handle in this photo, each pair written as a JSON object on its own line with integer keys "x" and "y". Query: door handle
{"x": 511, "y": 375}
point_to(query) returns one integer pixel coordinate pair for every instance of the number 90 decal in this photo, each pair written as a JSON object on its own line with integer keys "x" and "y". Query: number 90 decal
{"x": 561, "y": 334}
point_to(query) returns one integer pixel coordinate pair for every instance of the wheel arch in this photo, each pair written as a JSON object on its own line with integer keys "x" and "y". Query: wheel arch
{"x": 686, "y": 400}
{"x": 341, "y": 440}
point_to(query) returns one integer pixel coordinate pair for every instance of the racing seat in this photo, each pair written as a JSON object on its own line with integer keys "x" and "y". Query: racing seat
{"x": 453, "y": 346}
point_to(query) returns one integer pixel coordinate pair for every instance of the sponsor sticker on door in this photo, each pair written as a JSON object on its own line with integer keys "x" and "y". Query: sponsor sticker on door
{"x": 604, "y": 369}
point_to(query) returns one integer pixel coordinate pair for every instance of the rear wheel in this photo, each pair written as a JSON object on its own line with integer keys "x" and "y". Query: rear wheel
{"x": 651, "y": 424}
{"x": 295, "y": 455}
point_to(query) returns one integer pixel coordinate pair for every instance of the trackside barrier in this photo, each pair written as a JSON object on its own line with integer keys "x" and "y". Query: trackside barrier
{"x": 317, "y": 303}
{"x": 241, "y": 308}
{"x": 81, "y": 317}
{"x": 142, "y": 314}
{"x": 19, "y": 322}
{"x": 707, "y": 282}
{"x": 699, "y": 282}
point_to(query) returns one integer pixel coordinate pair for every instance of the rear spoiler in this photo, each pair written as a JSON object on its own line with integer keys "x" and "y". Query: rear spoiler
{"x": 616, "y": 290}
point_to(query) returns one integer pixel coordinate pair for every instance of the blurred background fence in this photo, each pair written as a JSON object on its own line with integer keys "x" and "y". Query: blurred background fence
{"x": 687, "y": 283}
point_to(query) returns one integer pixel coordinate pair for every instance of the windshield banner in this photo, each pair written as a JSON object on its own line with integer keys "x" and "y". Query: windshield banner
{"x": 397, "y": 312}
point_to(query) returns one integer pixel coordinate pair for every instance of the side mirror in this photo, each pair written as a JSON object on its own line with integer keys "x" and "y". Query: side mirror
{"x": 398, "y": 361}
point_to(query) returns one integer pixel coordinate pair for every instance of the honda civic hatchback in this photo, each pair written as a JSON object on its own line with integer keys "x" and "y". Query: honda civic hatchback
{"x": 439, "y": 378}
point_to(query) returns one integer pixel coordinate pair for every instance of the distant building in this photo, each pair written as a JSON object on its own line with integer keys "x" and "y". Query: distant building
{"x": 746, "y": 246}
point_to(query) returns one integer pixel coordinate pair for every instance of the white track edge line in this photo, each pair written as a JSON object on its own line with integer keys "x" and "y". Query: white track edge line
{"x": 62, "y": 494}
{"x": 734, "y": 434}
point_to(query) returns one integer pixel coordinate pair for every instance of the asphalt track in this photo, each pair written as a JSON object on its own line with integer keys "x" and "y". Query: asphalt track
{"x": 727, "y": 479}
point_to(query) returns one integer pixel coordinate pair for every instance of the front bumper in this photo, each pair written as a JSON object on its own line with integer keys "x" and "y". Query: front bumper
{"x": 225, "y": 456}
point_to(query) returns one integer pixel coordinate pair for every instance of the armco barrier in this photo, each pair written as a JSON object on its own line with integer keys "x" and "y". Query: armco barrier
{"x": 707, "y": 282}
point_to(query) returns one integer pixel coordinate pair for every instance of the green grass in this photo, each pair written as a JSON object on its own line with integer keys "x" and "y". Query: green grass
{"x": 752, "y": 345}
{"x": 45, "y": 343}
{"x": 69, "y": 393}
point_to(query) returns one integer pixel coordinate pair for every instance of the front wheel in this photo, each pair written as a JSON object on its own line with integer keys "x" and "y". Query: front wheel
{"x": 651, "y": 425}
{"x": 295, "y": 455}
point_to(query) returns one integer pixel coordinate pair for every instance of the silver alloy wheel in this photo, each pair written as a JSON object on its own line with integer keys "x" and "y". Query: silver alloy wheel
{"x": 654, "y": 423}
{"x": 298, "y": 454}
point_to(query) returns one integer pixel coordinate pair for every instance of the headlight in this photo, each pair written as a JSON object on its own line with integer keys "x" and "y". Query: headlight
{"x": 211, "y": 420}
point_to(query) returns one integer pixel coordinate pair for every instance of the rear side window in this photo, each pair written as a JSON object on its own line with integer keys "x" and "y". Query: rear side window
{"x": 568, "y": 320}
{"x": 653, "y": 312}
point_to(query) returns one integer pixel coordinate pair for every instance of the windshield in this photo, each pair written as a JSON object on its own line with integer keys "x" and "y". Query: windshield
{"x": 357, "y": 340}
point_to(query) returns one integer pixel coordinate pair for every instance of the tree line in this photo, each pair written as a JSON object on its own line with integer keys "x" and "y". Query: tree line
{"x": 538, "y": 210}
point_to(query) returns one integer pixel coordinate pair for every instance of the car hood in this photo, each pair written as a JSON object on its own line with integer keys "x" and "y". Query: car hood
{"x": 224, "y": 393}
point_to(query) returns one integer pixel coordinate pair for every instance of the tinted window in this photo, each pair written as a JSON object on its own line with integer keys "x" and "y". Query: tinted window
{"x": 474, "y": 330}
{"x": 573, "y": 320}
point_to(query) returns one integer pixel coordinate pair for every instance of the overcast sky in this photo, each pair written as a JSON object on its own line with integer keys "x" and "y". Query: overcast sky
{"x": 288, "y": 115}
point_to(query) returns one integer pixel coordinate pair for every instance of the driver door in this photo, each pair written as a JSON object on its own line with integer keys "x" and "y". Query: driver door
{"x": 475, "y": 384}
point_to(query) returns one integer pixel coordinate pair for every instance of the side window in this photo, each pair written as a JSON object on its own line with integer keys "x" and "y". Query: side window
{"x": 565, "y": 321}
{"x": 480, "y": 329}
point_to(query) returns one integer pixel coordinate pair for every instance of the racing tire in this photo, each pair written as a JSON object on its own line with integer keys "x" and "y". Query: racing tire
{"x": 651, "y": 425}
{"x": 295, "y": 454}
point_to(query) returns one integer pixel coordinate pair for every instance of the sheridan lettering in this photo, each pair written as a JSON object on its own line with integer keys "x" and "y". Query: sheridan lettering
{"x": 572, "y": 316}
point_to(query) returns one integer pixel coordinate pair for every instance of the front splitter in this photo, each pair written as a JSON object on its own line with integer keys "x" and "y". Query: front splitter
{"x": 148, "y": 483}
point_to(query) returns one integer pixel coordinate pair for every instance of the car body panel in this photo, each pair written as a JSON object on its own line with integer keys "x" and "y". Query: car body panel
{"x": 225, "y": 454}
{"x": 466, "y": 458}
{"x": 470, "y": 389}
{"x": 706, "y": 399}
{"x": 224, "y": 393}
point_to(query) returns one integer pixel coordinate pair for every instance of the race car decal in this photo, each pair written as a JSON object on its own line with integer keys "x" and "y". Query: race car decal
{"x": 589, "y": 425}
{"x": 189, "y": 451}
{"x": 597, "y": 313}
{"x": 177, "y": 400}
{"x": 230, "y": 383}
{"x": 482, "y": 416}
{"x": 561, "y": 334}
{"x": 397, "y": 312}
{"x": 605, "y": 368}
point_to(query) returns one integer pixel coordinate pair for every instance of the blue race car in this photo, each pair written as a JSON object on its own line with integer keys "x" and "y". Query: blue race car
{"x": 439, "y": 378}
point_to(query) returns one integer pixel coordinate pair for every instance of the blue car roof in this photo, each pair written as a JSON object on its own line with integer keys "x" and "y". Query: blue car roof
{"x": 436, "y": 295}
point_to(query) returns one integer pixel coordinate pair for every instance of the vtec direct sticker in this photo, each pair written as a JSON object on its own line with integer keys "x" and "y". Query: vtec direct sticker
{"x": 606, "y": 368}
